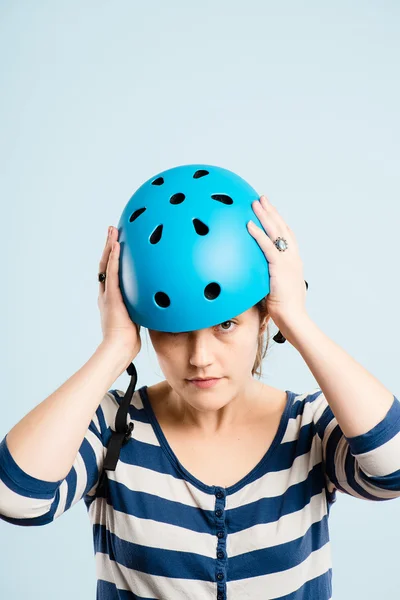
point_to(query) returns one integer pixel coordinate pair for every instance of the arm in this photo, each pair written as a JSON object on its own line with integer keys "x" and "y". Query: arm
{"x": 54, "y": 455}
{"x": 45, "y": 442}
{"x": 358, "y": 400}
{"x": 357, "y": 419}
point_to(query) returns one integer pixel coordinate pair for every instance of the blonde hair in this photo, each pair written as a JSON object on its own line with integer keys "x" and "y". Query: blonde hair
{"x": 263, "y": 340}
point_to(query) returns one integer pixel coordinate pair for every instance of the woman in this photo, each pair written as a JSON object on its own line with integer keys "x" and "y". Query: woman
{"x": 222, "y": 491}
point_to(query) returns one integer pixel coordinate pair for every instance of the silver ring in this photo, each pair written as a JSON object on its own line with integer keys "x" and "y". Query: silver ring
{"x": 281, "y": 244}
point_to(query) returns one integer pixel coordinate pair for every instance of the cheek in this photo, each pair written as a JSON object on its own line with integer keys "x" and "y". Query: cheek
{"x": 168, "y": 355}
{"x": 240, "y": 353}
{"x": 248, "y": 350}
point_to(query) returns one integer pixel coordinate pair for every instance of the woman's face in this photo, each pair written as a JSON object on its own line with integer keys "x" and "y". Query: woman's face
{"x": 227, "y": 350}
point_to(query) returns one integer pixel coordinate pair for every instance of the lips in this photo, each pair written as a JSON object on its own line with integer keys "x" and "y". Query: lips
{"x": 208, "y": 379}
{"x": 207, "y": 383}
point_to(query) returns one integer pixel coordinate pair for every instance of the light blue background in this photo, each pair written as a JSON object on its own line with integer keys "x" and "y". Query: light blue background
{"x": 301, "y": 99}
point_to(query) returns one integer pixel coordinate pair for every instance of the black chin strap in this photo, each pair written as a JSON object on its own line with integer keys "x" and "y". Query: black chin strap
{"x": 122, "y": 433}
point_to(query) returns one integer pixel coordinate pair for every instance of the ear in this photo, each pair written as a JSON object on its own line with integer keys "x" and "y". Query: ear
{"x": 264, "y": 324}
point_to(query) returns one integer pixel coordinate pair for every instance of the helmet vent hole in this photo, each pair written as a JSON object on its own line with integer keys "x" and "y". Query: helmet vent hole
{"x": 156, "y": 235}
{"x": 200, "y": 173}
{"x": 158, "y": 181}
{"x": 200, "y": 227}
{"x": 222, "y": 198}
{"x": 162, "y": 299}
{"x": 212, "y": 291}
{"x": 177, "y": 198}
{"x": 136, "y": 214}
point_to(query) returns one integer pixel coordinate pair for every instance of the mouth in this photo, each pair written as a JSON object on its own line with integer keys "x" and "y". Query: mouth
{"x": 205, "y": 383}
{"x": 205, "y": 379}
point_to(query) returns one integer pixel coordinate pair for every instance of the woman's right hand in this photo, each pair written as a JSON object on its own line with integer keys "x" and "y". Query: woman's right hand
{"x": 118, "y": 328}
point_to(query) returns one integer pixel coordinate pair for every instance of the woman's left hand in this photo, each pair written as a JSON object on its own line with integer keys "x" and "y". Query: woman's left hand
{"x": 287, "y": 295}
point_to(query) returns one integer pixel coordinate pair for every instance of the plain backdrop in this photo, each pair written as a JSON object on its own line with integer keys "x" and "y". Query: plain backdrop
{"x": 300, "y": 99}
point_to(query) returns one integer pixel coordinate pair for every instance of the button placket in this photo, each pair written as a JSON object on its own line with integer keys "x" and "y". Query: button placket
{"x": 221, "y": 560}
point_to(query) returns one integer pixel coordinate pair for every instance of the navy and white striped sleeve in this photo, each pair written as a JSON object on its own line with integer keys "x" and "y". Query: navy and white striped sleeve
{"x": 28, "y": 501}
{"x": 366, "y": 466}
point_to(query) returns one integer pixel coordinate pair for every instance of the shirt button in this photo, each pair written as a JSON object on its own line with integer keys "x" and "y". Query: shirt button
{"x": 220, "y": 554}
{"x": 219, "y": 494}
{"x": 218, "y": 512}
{"x": 220, "y": 596}
{"x": 220, "y": 576}
{"x": 220, "y": 534}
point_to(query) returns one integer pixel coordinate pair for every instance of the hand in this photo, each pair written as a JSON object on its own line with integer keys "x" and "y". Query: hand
{"x": 287, "y": 295}
{"x": 118, "y": 328}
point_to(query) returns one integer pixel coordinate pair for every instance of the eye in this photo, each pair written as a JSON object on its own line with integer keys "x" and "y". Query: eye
{"x": 224, "y": 330}
{"x": 227, "y": 330}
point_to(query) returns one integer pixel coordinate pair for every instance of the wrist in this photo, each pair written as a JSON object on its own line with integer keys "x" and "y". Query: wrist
{"x": 293, "y": 328}
{"x": 118, "y": 356}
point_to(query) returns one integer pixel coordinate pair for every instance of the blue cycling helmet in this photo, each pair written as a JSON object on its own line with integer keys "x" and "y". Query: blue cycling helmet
{"x": 187, "y": 260}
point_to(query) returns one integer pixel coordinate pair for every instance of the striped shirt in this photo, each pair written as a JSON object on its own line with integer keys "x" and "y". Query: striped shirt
{"x": 160, "y": 533}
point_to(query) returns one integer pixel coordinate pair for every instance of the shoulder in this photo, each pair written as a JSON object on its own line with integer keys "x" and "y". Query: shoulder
{"x": 311, "y": 404}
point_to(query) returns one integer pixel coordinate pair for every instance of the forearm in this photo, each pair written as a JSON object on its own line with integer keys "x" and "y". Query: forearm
{"x": 357, "y": 399}
{"x": 46, "y": 441}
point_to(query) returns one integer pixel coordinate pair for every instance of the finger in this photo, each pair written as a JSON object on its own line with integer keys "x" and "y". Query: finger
{"x": 105, "y": 256}
{"x": 268, "y": 207}
{"x": 272, "y": 222}
{"x": 266, "y": 218}
{"x": 273, "y": 213}
{"x": 266, "y": 245}
{"x": 111, "y": 281}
